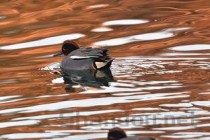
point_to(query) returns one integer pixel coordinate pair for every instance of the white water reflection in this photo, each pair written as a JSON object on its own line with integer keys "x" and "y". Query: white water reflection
{"x": 187, "y": 135}
{"x": 102, "y": 29}
{"x": 145, "y": 119}
{"x": 51, "y": 66}
{"x": 177, "y": 105}
{"x": 125, "y": 22}
{"x": 135, "y": 38}
{"x": 59, "y": 80}
{"x": 11, "y": 100}
{"x": 135, "y": 58}
{"x": 97, "y": 6}
{"x": 8, "y": 81}
{"x": 2, "y": 17}
{"x": 8, "y": 99}
{"x": 42, "y": 42}
{"x": 123, "y": 89}
{"x": 202, "y": 103}
{"x": 177, "y": 127}
{"x": 167, "y": 33}
{"x": 193, "y": 47}
{"x": 170, "y": 115}
{"x": 82, "y": 136}
{"x": 18, "y": 123}
{"x": 2, "y": 98}
{"x": 148, "y": 109}
{"x": 185, "y": 54}
{"x": 32, "y": 135}
{"x": 93, "y": 102}
{"x": 63, "y": 115}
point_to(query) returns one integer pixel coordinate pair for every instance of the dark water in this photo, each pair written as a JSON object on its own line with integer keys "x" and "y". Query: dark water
{"x": 161, "y": 69}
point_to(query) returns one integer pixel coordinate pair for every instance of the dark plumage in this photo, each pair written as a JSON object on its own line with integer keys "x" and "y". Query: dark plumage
{"x": 91, "y": 78}
{"x": 83, "y": 58}
{"x": 119, "y": 134}
{"x": 116, "y": 134}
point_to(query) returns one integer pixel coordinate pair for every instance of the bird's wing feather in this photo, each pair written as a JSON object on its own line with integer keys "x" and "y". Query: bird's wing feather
{"x": 89, "y": 53}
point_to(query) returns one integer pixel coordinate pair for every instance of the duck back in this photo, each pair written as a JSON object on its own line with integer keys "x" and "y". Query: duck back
{"x": 78, "y": 64}
{"x": 86, "y": 58}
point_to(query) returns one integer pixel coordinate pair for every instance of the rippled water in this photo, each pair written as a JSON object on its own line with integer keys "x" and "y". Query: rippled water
{"x": 159, "y": 80}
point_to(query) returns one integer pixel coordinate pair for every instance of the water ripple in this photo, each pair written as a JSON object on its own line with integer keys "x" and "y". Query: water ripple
{"x": 32, "y": 135}
{"x": 167, "y": 33}
{"x": 124, "y": 22}
{"x": 193, "y": 47}
{"x": 18, "y": 123}
{"x": 42, "y": 42}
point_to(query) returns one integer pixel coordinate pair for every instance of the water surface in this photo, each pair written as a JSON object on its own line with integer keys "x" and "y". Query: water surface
{"x": 159, "y": 85}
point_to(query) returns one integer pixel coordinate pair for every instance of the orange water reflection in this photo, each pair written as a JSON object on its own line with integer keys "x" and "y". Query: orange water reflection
{"x": 161, "y": 69}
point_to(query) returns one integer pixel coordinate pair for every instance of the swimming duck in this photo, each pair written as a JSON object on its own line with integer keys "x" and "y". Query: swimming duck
{"x": 83, "y": 58}
{"x": 119, "y": 134}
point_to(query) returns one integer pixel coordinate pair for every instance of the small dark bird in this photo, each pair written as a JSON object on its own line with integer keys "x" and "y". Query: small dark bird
{"x": 119, "y": 134}
{"x": 83, "y": 58}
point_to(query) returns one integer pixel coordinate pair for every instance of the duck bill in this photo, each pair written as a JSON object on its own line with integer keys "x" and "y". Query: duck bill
{"x": 58, "y": 54}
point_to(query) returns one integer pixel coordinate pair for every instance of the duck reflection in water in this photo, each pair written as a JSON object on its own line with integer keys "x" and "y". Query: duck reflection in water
{"x": 84, "y": 78}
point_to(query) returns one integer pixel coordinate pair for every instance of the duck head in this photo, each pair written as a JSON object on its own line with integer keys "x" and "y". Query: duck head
{"x": 116, "y": 134}
{"x": 119, "y": 134}
{"x": 67, "y": 47}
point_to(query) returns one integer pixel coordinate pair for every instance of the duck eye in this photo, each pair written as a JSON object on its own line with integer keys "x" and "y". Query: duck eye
{"x": 65, "y": 49}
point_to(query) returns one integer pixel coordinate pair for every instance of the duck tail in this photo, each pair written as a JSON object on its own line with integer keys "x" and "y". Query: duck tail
{"x": 103, "y": 64}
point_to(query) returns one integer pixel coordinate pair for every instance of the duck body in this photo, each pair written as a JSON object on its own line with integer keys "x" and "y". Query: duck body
{"x": 86, "y": 58}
